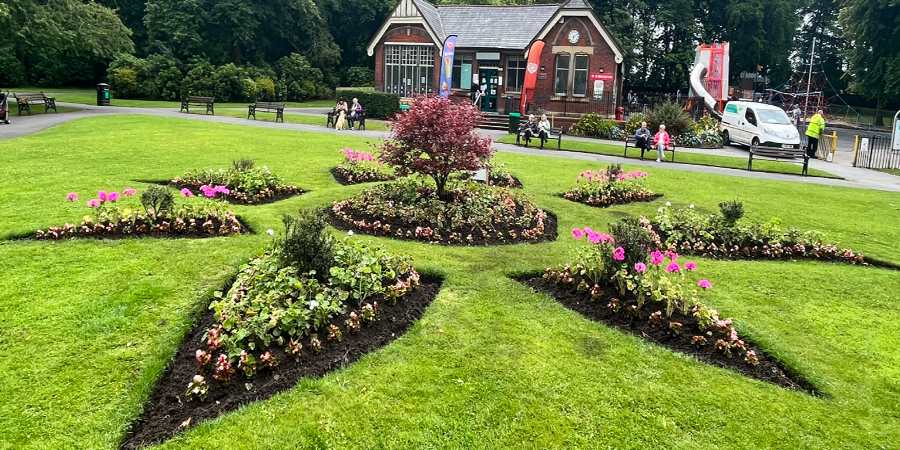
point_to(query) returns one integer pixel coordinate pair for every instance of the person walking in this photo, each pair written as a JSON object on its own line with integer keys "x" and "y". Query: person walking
{"x": 814, "y": 129}
{"x": 661, "y": 141}
{"x": 795, "y": 115}
{"x": 642, "y": 138}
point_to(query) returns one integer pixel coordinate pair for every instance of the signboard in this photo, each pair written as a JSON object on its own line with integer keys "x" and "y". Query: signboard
{"x": 864, "y": 145}
{"x": 598, "y": 89}
{"x": 602, "y": 76}
{"x": 531, "y": 72}
{"x": 895, "y": 137}
{"x": 446, "y": 79}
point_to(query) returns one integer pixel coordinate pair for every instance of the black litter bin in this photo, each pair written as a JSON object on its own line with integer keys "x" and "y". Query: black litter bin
{"x": 103, "y": 95}
{"x": 514, "y": 120}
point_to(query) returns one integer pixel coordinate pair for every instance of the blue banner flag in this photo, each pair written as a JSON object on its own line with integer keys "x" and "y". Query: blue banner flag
{"x": 446, "y": 80}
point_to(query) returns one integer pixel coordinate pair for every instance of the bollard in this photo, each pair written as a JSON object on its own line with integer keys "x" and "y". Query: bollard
{"x": 834, "y": 144}
{"x": 855, "y": 149}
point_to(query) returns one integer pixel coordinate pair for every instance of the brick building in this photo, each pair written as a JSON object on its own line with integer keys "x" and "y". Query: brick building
{"x": 580, "y": 70}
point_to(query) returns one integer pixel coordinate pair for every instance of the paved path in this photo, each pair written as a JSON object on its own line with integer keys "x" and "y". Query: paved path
{"x": 854, "y": 177}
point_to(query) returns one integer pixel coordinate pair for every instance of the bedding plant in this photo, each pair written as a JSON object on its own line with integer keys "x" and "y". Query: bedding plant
{"x": 244, "y": 183}
{"x": 725, "y": 235}
{"x": 156, "y": 213}
{"x": 436, "y": 143}
{"x": 610, "y": 186}
{"x": 361, "y": 167}
{"x": 626, "y": 280}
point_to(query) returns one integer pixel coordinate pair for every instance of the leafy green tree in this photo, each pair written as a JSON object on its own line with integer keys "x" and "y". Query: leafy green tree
{"x": 820, "y": 21}
{"x": 873, "y": 29}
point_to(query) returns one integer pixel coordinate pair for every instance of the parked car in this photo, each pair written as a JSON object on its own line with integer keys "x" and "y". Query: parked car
{"x": 758, "y": 124}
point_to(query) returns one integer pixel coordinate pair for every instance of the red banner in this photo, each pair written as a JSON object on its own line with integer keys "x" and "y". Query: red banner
{"x": 531, "y": 73}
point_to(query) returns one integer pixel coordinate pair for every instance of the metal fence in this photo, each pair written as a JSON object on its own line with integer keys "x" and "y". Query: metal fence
{"x": 874, "y": 152}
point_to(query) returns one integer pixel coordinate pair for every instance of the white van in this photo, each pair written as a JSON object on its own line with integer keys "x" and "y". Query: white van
{"x": 752, "y": 123}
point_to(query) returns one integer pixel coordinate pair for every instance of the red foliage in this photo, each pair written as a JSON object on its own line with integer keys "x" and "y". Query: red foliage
{"x": 436, "y": 138}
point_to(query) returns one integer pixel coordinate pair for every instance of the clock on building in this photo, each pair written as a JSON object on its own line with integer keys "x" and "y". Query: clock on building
{"x": 574, "y": 35}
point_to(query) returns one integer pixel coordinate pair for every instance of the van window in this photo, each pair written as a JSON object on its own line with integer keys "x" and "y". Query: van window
{"x": 774, "y": 116}
{"x": 751, "y": 118}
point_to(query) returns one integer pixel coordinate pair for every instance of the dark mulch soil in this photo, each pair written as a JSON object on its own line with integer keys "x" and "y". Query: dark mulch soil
{"x": 343, "y": 179}
{"x": 769, "y": 369}
{"x": 550, "y": 231}
{"x": 650, "y": 198}
{"x": 168, "y": 412}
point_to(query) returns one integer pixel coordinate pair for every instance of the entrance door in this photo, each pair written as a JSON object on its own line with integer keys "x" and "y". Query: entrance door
{"x": 489, "y": 81}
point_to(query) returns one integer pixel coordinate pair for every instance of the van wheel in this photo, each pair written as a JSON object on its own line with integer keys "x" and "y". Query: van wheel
{"x": 726, "y": 139}
{"x": 755, "y": 142}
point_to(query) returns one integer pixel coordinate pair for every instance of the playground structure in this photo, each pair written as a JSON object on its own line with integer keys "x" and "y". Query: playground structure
{"x": 709, "y": 76}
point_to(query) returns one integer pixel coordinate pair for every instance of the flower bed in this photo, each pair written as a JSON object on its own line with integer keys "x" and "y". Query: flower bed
{"x": 610, "y": 186}
{"x": 724, "y": 235}
{"x": 282, "y": 320}
{"x": 117, "y": 216}
{"x": 243, "y": 183}
{"x": 622, "y": 282}
{"x": 472, "y": 214}
{"x": 361, "y": 167}
{"x": 502, "y": 177}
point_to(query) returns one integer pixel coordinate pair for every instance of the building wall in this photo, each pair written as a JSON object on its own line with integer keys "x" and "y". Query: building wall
{"x": 412, "y": 33}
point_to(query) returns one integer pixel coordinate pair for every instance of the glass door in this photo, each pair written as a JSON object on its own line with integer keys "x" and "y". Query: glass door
{"x": 490, "y": 79}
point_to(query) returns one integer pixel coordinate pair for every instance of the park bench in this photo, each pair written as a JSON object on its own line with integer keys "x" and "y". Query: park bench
{"x": 275, "y": 107}
{"x": 554, "y": 134}
{"x": 630, "y": 141}
{"x": 331, "y": 120}
{"x": 778, "y": 154}
{"x": 26, "y": 101}
{"x": 193, "y": 100}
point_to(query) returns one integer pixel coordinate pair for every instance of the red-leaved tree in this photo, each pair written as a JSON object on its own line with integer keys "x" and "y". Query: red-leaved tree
{"x": 436, "y": 138}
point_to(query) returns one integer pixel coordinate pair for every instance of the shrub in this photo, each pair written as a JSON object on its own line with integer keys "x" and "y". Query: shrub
{"x": 732, "y": 211}
{"x": 124, "y": 82}
{"x": 13, "y": 71}
{"x": 157, "y": 201}
{"x": 610, "y": 186}
{"x": 636, "y": 239}
{"x": 299, "y": 80}
{"x": 242, "y": 183}
{"x": 228, "y": 83}
{"x": 359, "y": 77}
{"x": 437, "y": 138}
{"x": 594, "y": 125}
{"x": 672, "y": 116}
{"x": 378, "y": 105}
{"x": 306, "y": 244}
{"x": 265, "y": 88}
{"x": 362, "y": 167}
{"x": 633, "y": 123}
{"x": 199, "y": 79}
{"x": 161, "y": 77}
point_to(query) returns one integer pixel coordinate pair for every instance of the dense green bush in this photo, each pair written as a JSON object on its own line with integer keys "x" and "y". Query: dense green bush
{"x": 299, "y": 80}
{"x": 12, "y": 71}
{"x": 307, "y": 244}
{"x": 378, "y": 105}
{"x": 228, "y": 84}
{"x": 675, "y": 119}
{"x": 359, "y": 77}
{"x": 593, "y": 125}
{"x": 265, "y": 88}
{"x": 633, "y": 123}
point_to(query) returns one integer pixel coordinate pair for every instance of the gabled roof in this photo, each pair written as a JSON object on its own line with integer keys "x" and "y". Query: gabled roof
{"x": 499, "y": 27}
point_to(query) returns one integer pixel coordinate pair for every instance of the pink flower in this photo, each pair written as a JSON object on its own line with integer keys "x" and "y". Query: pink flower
{"x": 672, "y": 255}
{"x": 690, "y": 266}
{"x": 673, "y": 267}
{"x": 222, "y": 190}
{"x": 640, "y": 267}
{"x": 112, "y": 197}
{"x": 656, "y": 258}
{"x": 94, "y": 203}
{"x": 704, "y": 283}
{"x": 593, "y": 236}
{"x": 101, "y": 196}
{"x": 208, "y": 191}
{"x": 186, "y": 193}
{"x": 619, "y": 254}
{"x": 577, "y": 233}
{"x": 604, "y": 238}
{"x": 129, "y": 192}
{"x": 72, "y": 196}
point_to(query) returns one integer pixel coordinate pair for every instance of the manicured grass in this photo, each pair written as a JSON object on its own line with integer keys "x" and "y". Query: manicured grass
{"x": 290, "y": 117}
{"x": 87, "y": 326}
{"x": 891, "y": 171}
{"x": 730, "y": 162}
{"x": 88, "y": 96}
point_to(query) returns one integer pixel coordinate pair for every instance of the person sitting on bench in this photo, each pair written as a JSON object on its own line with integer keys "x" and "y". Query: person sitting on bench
{"x": 544, "y": 129}
{"x": 661, "y": 141}
{"x": 642, "y": 138}
{"x": 355, "y": 112}
{"x": 530, "y": 128}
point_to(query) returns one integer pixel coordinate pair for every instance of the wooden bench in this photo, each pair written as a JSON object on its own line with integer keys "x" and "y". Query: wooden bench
{"x": 275, "y": 107}
{"x": 778, "y": 154}
{"x": 26, "y": 101}
{"x": 632, "y": 142}
{"x": 192, "y": 100}
{"x": 555, "y": 133}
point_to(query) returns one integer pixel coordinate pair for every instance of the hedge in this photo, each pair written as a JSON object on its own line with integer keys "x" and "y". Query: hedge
{"x": 378, "y": 105}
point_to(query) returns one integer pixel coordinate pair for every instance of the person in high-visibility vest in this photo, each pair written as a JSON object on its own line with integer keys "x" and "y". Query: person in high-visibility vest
{"x": 814, "y": 129}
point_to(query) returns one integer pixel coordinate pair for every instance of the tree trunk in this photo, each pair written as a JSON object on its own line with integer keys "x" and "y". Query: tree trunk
{"x": 879, "y": 112}
{"x": 441, "y": 182}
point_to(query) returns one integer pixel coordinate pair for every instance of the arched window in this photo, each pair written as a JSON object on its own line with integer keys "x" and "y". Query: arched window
{"x": 563, "y": 63}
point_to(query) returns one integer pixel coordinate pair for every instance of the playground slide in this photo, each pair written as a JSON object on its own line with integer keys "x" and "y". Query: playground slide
{"x": 697, "y": 85}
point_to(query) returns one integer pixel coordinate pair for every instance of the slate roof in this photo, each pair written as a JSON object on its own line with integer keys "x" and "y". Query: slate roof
{"x": 477, "y": 26}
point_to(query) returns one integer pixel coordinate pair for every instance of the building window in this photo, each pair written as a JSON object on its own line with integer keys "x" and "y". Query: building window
{"x": 408, "y": 69}
{"x": 515, "y": 73}
{"x": 462, "y": 72}
{"x": 563, "y": 62}
{"x": 580, "y": 79}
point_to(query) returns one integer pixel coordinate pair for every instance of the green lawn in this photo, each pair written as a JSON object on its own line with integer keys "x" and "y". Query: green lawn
{"x": 891, "y": 171}
{"x": 88, "y": 96}
{"x": 87, "y": 326}
{"x": 289, "y": 117}
{"x": 730, "y": 162}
